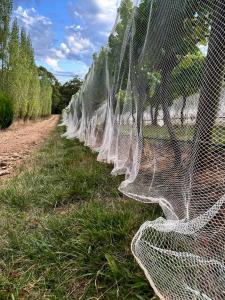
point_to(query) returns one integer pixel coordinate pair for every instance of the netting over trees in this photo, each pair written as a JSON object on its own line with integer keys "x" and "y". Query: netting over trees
{"x": 153, "y": 104}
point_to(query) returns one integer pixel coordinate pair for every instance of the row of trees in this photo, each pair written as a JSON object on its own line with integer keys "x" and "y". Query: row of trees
{"x": 154, "y": 59}
{"x": 30, "y": 91}
{"x": 139, "y": 55}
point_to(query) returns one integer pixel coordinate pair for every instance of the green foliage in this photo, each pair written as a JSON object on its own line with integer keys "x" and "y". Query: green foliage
{"x": 6, "y": 111}
{"x": 31, "y": 93}
{"x": 19, "y": 76}
{"x": 69, "y": 89}
{"x": 5, "y": 14}
{"x": 57, "y": 100}
{"x": 115, "y": 43}
{"x": 123, "y": 98}
{"x": 34, "y": 91}
{"x": 162, "y": 53}
{"x": 61, "y": 94}
{"x": 94, "y": 93}
{"x": 72, "y": 242}
{"x": 13, "y": 76}
{"x": 186, "y": 78}
{"x": 45, "y": 96}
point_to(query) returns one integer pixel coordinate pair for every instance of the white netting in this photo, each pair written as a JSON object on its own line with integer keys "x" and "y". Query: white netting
{"x": 153, "y": 104}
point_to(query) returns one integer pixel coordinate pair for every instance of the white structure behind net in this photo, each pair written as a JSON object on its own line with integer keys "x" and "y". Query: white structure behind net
{"x": 153, "y": 104}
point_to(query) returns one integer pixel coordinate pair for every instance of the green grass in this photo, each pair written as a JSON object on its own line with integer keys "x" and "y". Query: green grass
{"x": 65, "y": 230}
{"x": 183, "y": 134}
{"x": 157, "y": 132}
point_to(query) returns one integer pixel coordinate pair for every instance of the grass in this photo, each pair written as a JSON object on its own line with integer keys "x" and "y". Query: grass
{"x": 157, "y": 132}
{"x": 65, "y": 230}
{"x": 183, "y": 134}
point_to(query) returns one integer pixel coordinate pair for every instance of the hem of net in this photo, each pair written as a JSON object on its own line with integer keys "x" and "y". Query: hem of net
{"x": 153, "y": 200}
{"x": 151, "y": 282}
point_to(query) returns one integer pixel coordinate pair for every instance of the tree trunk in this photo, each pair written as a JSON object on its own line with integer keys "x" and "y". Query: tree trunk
{"x": 182, "y": 110}
{"x": 211, "y": 88}
{"x": 140, "y": 86}
{"x": 156, "y": 113}
{"x": 165, "y": 98}
{"x": 151, "y": 113}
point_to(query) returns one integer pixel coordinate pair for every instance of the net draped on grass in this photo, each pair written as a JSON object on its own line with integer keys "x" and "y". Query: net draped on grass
{"x": 153, "y": 104}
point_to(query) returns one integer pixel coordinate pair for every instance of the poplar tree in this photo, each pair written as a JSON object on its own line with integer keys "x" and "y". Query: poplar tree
{"x": 45, "y": 97}
{"x": 5, "y": 14}
{"x": 24, "y": 74}
{"x": 19, "y": 77}
{"x": 33, "y": 107}
{"x": 13, "y": 80}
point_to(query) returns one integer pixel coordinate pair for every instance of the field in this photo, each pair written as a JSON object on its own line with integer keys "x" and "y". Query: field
{"x": 66, "y": 231}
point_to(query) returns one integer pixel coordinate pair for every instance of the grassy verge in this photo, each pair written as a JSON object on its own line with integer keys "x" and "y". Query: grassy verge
{"x": 65, "y": 231}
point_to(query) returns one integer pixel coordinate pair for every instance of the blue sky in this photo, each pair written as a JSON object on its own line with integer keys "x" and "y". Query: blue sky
{"x": 66, "y": 33}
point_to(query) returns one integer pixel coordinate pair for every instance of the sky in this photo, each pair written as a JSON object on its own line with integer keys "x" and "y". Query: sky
{"x": 66, "y": 33}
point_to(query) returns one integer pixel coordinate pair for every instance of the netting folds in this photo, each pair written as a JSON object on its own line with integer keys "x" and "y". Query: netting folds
{"x": 153, "y": 104}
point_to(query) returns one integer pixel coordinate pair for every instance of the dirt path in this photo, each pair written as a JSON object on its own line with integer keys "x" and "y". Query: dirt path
{"x": 19, "y": 141}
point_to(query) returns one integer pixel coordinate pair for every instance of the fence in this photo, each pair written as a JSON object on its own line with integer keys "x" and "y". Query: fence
{"x": 165, "y": 59}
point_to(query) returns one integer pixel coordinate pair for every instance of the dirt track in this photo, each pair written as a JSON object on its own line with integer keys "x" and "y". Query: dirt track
{"x": 20, "y": 140}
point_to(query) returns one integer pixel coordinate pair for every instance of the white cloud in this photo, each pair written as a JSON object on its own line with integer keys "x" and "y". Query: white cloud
{"x": 93, "y": 21}
{"x": 78, "y": 44}
{"x": 104, "y": 33}
{"x": 30, "y": 17}
{"x": 53, "y": 63}
{"x": 74, "y": 28}
{"x": 76, "y": 14}
{"x": 107, "y": 11}
{"x": 95, "y": 16}
{"x": 39, "y": 27}
{"x": 74, "y": 46}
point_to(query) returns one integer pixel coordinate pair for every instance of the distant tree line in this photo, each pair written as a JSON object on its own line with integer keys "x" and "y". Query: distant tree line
{"x": 61, "y": 93}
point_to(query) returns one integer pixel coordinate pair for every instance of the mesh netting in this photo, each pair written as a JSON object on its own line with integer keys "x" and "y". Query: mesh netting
{"x": 153, "y": 104}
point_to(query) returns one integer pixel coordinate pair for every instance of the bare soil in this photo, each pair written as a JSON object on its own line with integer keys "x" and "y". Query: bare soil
{"x": 20, "y": 140}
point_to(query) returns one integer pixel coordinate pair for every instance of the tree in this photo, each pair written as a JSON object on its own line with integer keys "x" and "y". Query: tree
{"x": 33, "y": 111}
{"x": 212, "y": 81}
{"x": 69, "y": 89}
{"x": 13, "y": 80}
{"x": 178, "y": 33}
{"x": 24, "y": 73}
{"x": 5, "y": 14}
{"x": 19, "y": 78}
{"x": 57, "y": 99}
{"x": 61, "y": 94}
{"x": 118, "y": 54}
{"x": 45, "y": 96}
{"x": 154, "y": 80}
{"x": 186, "y": 78}
{"x": 34, "y": 85}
